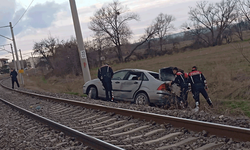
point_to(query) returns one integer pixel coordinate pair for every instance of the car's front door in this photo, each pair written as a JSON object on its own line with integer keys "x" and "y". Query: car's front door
{"x": 117, "y": 80}
{"x": 130, "y": 84}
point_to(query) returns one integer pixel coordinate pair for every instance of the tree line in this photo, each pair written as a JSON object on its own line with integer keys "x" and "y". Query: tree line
{"x": 210, "y": 24}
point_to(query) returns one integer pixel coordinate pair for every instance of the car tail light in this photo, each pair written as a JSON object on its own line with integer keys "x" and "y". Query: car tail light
{"x": 162, "y": 87}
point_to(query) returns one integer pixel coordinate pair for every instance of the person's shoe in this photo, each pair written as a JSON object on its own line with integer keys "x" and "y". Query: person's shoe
{"x": 196, "y": 109}
{"x": 211, "y": 105}
{"x": 182, "y": 105}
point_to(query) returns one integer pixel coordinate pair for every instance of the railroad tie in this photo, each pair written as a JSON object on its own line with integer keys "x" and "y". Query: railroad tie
{"x": 209, "y": 146}
{"x": 147, "y": 134}
{"x": 88, "y": 118}
{"x": 131, "y": 131}
{"x": 72, "y": 113}
{"x": 61, "y": 111}
{"x": 186, "y": 141}
{"x": 58, "y": 106}
{"x": 110, "y": 125}
{"x": 102, "y": 118}
{"x": 103, "y": 122}
{"x": 168, "y": 136}
{"x": 80, "y": 116}
{"x": 120, "y": 128}
{"x": 89, "y": 125}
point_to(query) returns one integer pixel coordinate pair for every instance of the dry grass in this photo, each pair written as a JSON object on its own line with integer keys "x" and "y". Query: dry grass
{"x": 227, "y": 73}
{"x": 69, "y": 84}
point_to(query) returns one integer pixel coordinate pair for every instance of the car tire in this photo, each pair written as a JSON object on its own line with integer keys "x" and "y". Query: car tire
{"x": 141, "y": 99}
{"x": 92, "y": 93}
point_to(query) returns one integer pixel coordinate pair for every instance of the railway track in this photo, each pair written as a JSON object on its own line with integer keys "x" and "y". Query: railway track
{"x": 18, "y": 131}
{"x": 130, "y": 129}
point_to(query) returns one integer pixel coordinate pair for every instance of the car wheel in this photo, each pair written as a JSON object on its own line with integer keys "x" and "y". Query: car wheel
{"x": 92, "y": 93}
{"x": 141, "y": 99}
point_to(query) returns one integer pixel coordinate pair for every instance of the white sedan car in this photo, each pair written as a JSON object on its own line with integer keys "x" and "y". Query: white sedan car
{"x": 134, "y": 85}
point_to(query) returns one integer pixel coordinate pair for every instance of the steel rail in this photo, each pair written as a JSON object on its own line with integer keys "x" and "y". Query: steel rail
{"x": 86, "y": 139}
{"x": 236, "y": 133}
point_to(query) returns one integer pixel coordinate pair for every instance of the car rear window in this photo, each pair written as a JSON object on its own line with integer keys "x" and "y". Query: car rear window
{"x": 155, "y": 75}
{"x": 167, "y": 74}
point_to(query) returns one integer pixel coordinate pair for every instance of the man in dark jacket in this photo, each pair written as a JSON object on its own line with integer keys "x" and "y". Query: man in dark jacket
{"x": 105, "y": 74}
{"x": 182, "y": 82}
{"x": 13, "y": 75}
{"x": 199, "y": 85}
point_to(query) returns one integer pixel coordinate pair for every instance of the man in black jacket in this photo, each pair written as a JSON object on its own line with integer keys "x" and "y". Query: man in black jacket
{"x": 105, "y": 74}
{"x": 182, "y": 82}
{"x": 13, "y": 75}
{"x": 199, "y": 85}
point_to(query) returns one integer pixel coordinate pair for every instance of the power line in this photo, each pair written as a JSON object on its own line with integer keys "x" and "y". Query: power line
{"x": 23, "y": 13}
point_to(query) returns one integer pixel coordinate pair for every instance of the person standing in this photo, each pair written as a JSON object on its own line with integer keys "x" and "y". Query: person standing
{"x": 199, "y": 85}
{"x": 13, "y": 75}
{"x": 182, "y": 82}
{"x": 105, "y": 74}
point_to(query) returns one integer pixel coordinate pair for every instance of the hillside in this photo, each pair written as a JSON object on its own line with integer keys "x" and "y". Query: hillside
{"x": 226, "y": 70}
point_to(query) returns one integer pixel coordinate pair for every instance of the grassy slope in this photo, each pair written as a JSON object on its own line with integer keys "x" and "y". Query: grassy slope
{"x": 227, "y": 73}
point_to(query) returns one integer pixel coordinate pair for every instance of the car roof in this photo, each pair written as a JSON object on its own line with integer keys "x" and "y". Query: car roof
{"x": 142, "y": 70}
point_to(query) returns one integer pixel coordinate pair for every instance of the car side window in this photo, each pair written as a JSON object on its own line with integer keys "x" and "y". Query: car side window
{"x": 133, "y": 75}
{"x": 145, "y": 78}
{"x": 155, "y": 75}
{"x": 119, "y": 75}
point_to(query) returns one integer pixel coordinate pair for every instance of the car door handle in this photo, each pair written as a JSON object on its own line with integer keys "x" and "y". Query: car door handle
{"x": 135, "y": 82}
{"x": 117, "y": 82}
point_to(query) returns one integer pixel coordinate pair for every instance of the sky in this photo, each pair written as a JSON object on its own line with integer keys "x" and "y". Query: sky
{"x": 53, "y": 18}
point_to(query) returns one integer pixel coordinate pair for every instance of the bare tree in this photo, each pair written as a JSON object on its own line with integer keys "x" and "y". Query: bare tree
{"x": 215, "y": 17}
{"x": 226, "y": 13}
{"x": 244, "y": 7}
{"x": 100, "y": 43}
{"x": 199, "y": 34}
{"x": 66, "y": 59}
{"x": 163, "y": 25}
{"x": 238, "y": 29}
{"x": 149, "y": 33}
{"x": 112, "y": 20}
{"x": 46, "y": 48}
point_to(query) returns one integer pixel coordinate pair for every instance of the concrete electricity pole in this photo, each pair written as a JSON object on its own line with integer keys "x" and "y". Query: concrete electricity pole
{"x": 33, "y": 65}
{"x": 22, "y": 65}
{"x": 14, "y": 61}
{"x": 81, "y": 50}
{"x": 17, "y": 59}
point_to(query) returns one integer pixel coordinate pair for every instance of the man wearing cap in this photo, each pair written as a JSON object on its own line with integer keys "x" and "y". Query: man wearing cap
{"x": 199, "y": 85}
{"x": 105, "y": 74}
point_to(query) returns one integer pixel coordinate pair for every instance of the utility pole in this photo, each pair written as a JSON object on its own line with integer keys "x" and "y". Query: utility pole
{"x": 33, "y": 60}
{"x": 14, "y": 61}
{"x": 14, "y": 42}
{"x": 81, "y": 50}
{"x": 22, "y": 65}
